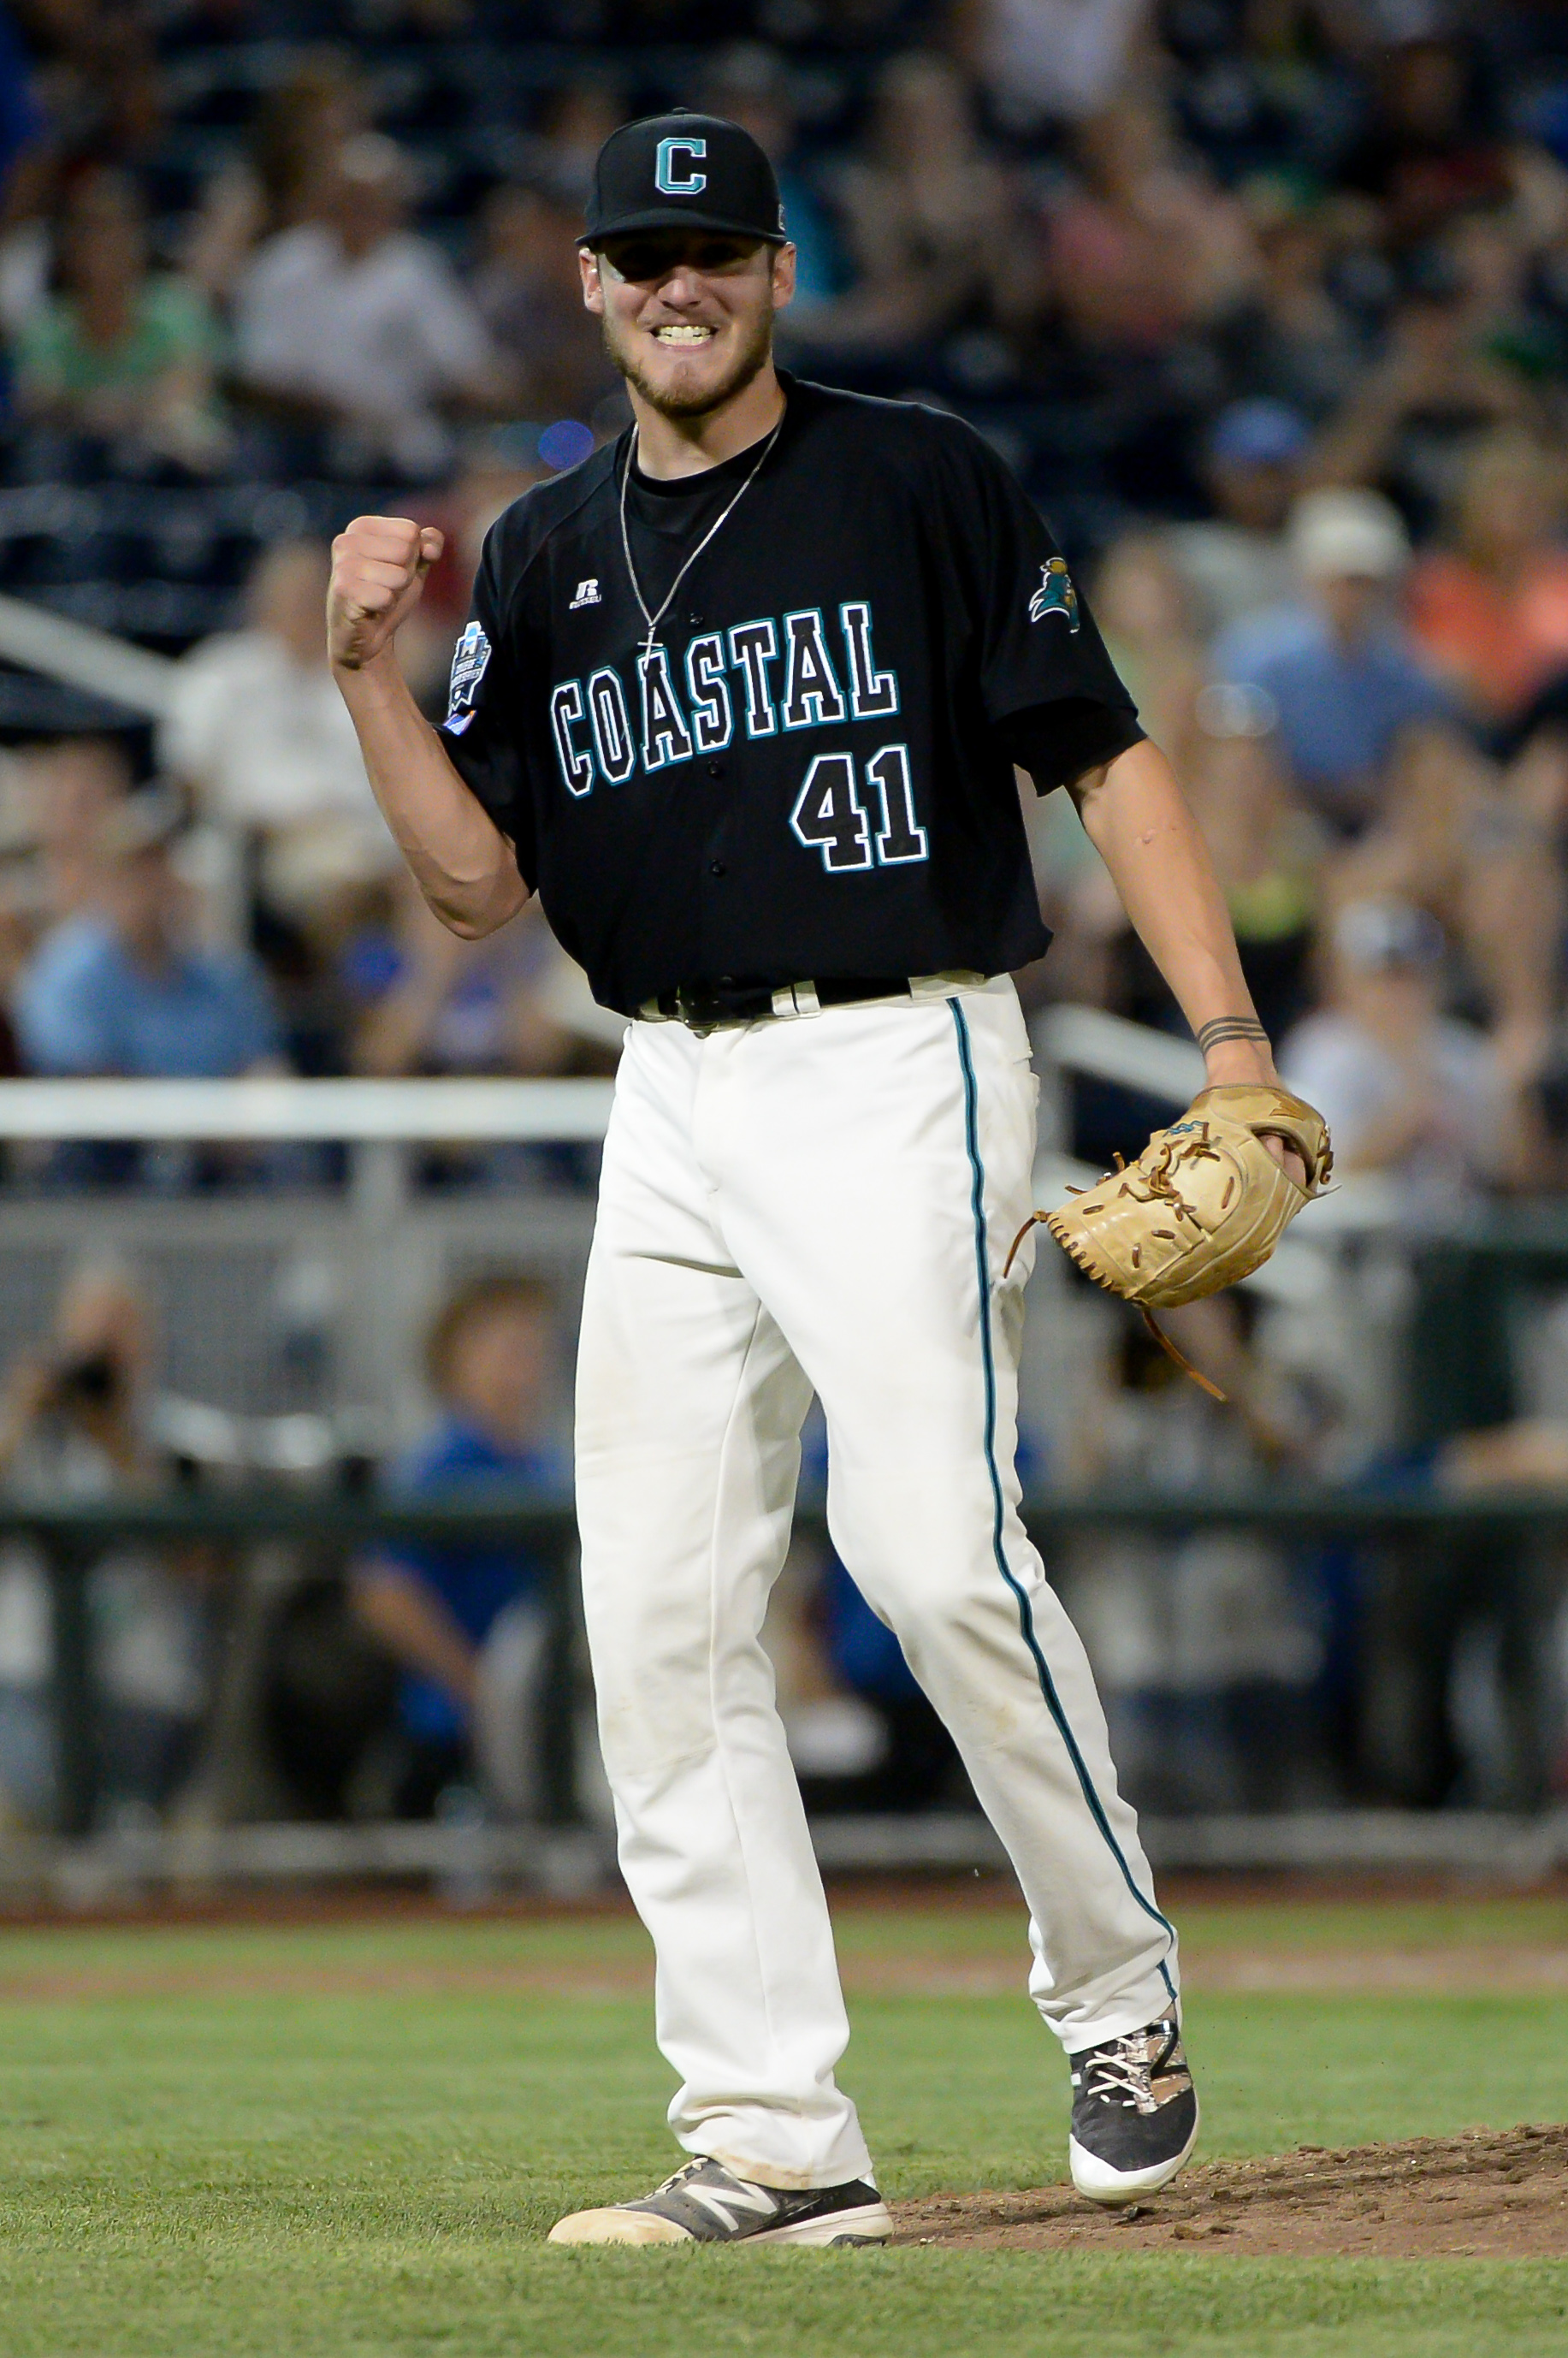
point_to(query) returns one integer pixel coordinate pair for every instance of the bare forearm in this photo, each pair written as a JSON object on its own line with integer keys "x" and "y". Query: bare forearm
{"x": 461, "y": 860}
{"x": 415, "y": 1627}
{"x": 1138, "y": 820}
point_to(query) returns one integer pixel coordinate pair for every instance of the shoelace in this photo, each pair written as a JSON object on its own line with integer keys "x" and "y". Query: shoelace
{"x": 1122, "y": 2069}
{"x": 678, "y": 2177}
{"x": 692, "y": 2168}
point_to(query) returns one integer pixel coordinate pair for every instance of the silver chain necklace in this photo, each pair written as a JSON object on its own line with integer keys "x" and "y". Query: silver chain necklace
{"x": 722, "y": 518}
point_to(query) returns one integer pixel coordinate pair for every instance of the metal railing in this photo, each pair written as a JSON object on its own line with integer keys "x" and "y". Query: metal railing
{"x": 73, "y": 1537}
{"x": 361, "y": 1113}
{"x": 393, "y": 1245}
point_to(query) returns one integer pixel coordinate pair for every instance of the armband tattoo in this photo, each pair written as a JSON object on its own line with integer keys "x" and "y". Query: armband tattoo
{"x": 1231, "y": 1027}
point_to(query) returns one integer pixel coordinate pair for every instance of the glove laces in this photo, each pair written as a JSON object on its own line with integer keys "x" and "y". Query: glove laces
{"x": 1159, "y": 1174}
{"x": 1153, "y": 1181}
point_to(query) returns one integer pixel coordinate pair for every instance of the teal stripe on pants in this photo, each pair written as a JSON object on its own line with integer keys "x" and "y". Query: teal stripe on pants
{"x": 1025, "y": 1616}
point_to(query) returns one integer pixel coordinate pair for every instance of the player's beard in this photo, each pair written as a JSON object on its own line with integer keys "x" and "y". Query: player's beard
{"x": 670, "y": 400}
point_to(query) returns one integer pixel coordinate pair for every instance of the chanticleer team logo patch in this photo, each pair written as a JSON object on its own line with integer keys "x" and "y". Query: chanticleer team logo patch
{"x": 1056, "y": 594}
{"x": 469, "y": 657}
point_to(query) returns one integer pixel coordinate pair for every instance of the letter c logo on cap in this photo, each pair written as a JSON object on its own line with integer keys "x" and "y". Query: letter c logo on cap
{"x": 665, "y": 178}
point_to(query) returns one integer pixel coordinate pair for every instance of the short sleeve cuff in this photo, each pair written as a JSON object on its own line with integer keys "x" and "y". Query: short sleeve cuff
{"x": 1058, "y": 742}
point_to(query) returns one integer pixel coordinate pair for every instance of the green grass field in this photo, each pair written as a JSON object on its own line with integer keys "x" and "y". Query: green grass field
{"x": 351, "y": 2141}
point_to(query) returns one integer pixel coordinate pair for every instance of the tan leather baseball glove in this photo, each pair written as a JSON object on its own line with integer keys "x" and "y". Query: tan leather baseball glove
{"x": 1205, "y": 1204}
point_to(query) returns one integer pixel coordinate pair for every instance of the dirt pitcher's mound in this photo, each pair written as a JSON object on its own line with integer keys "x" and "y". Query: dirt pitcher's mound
{"x": 1491, "y": 2193}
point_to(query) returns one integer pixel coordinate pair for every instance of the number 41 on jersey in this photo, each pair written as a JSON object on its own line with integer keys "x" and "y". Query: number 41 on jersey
{"x": 830, "y": 816}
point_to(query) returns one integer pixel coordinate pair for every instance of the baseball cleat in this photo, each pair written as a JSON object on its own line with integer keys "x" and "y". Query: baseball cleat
{"x": 706, "y": 2203}
{"x": 1135, "y": 2114}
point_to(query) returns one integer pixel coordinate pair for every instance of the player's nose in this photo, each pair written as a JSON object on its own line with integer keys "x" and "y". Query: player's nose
{"x": 682, "y": 289}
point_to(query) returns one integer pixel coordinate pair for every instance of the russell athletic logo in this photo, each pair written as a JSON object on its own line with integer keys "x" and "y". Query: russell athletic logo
{"x": 585, "y": 594}
{"x": 1056, "y": 594}
{"x": 673, "y": 175}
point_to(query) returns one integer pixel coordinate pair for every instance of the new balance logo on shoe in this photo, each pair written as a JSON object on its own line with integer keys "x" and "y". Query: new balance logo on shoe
{"x": 732, "y": 2203}
{"x": 587, "y": 595}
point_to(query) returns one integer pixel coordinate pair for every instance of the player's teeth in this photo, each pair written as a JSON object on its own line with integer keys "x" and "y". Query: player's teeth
{"x": 683, "y": 335}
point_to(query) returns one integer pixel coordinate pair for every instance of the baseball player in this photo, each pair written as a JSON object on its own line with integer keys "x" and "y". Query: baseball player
{"x": 741, "y": 698}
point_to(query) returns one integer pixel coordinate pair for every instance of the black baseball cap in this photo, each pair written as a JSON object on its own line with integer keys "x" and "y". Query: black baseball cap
{"x": 683, "y": 171}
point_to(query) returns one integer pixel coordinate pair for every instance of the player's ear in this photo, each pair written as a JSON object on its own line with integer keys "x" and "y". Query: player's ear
{"x": 593, "y": 290}
{"x": 784, "y": 276}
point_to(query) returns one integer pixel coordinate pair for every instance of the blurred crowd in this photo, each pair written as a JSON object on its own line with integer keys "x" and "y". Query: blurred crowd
{"x": 1266, "y": 301}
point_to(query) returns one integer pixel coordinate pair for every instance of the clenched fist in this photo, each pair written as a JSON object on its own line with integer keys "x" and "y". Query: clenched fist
{"x": 378, "y": 570}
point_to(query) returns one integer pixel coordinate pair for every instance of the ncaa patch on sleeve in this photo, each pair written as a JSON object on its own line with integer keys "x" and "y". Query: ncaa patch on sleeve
{"x": 469, "y": 657}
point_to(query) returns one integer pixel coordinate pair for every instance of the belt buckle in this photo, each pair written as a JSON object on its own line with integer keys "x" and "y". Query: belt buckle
{"x": 699, "y": 1016}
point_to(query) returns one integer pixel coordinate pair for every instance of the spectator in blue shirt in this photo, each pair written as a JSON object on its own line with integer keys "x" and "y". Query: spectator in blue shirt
{"x": 467, "y": 1623}
{"x": 122, "y": 987}
{"x": 1342, "y": 679}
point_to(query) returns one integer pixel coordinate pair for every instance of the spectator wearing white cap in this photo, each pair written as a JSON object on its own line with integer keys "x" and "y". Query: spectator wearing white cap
{"x": 1406, "y": 1090}
{"x": 1342, "y": 676}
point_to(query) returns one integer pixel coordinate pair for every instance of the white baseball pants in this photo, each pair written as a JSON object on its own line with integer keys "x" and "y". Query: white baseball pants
{"x": 825, "y": 1204}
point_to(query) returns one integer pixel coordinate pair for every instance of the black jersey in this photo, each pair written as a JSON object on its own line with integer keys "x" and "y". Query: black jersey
{"x": 811, "y": 774}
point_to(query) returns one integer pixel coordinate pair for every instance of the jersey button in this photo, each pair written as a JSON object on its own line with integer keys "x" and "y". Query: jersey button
{"x": 717, "y": 867}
